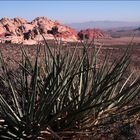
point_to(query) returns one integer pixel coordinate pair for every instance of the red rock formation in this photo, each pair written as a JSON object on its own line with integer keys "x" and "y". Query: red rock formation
{"x": 90, "y": 34}
{"x": 19, "y": 21}
{"x": 2, "y": 31}
{"x": 21, "y": 30}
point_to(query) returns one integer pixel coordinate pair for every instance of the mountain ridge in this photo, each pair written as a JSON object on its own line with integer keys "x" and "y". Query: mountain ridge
{"x": 106, "y": 24}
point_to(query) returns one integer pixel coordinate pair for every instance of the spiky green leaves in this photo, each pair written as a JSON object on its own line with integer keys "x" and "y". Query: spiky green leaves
{"x": 67, "y": 90}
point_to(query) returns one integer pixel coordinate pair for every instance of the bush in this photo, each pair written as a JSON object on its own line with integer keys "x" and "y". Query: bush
{"x": 65, "y": 92}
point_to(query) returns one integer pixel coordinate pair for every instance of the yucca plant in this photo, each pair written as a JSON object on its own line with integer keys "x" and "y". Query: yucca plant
{"x": 65, "y": 91}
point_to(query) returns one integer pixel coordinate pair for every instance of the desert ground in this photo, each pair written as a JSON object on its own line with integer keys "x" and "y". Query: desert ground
{"x": 117, "y": 46}
{"x": 120, "y": 41}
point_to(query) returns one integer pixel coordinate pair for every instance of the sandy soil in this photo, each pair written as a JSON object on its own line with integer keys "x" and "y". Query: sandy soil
{"x": 119, "y": 41}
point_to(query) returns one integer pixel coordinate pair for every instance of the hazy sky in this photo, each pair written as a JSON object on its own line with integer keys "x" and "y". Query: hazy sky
{"x": 72, "y": 11}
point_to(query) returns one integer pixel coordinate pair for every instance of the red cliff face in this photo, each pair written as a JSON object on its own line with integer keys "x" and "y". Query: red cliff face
{"x": 90, "y": 34}
{"x": 18, "y": 30}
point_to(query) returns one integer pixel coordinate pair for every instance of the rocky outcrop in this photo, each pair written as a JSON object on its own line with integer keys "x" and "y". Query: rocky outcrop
{"x": 90, "y": 34}
{"x": 20, "y": 31}
{"x": 2, "y": 31}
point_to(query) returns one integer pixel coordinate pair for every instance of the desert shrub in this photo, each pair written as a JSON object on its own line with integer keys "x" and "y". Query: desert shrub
{"x": 65, "y": 92}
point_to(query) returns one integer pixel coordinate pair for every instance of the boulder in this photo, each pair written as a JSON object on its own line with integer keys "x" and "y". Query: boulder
{"x": 90, "y": 34}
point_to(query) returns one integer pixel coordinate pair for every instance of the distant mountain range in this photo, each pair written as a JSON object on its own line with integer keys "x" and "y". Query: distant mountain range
{"x": 104, "y": 24}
